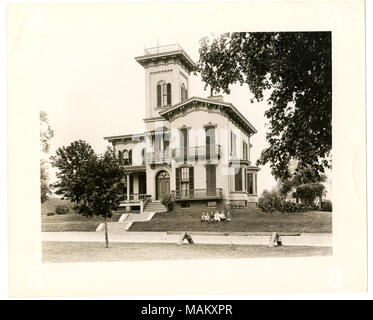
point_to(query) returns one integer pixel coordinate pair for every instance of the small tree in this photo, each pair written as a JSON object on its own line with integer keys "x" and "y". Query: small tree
{"x": 46, "y": 133}
{"x": 90, "y": 181}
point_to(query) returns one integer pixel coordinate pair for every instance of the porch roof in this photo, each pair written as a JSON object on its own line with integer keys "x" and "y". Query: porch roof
{"x": 134, "y": 169}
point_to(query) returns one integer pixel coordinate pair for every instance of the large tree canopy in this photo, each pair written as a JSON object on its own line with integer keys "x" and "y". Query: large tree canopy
{"x": 295, "y": 69}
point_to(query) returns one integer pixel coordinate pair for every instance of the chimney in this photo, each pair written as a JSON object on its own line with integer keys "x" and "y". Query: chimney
{"x": 218, "y": 98}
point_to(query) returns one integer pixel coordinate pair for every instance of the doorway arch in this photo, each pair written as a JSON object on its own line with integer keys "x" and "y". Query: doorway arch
{"x": 162, "y": 183}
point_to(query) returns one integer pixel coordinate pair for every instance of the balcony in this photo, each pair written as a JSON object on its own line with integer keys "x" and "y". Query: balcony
{"x": 158, "y": 157}
{"x": 197, "y": 194}
{"x": 199, "y": 153}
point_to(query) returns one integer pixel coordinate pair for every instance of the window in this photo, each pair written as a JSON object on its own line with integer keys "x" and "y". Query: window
{"x": 250, "y": 183}
{"x": 185, "y": 182}
{"x": 184, "y": 142}
{"x": 163, "y": 94}
{"x": 184, "y": 92}
{"x": 127, "y": 157}
{"x": 238, "y": 180}
{"x": 233, "y": 144}
{"x": 211, "y": 204}
{"x": 245, "y": 153}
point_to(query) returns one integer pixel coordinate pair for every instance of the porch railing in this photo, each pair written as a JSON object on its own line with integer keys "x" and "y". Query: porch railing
{"x": 135, "y": 197}
{"x": 197, "y": 152}
{"x": 197, "y": 194}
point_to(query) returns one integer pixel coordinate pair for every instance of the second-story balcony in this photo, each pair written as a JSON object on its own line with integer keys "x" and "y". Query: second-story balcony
{"x": 197, "y": 153}
{"x": 158, "y": 157}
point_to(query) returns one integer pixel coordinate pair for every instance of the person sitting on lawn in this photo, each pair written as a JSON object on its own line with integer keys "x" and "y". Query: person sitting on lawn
{"x": 211, "y": 217}
{"x": 222, "y": 216}
{"x": 217, "y": 216}
{"x": 228, "y": 217}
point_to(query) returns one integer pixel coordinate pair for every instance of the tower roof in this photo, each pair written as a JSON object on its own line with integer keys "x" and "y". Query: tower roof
{"x": 173, "y": 51}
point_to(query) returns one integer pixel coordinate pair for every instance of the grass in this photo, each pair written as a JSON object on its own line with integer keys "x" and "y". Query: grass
{"x": 242, "y": 221}
{"x": 95, "y": 251}
{"x": 70, "y": 221}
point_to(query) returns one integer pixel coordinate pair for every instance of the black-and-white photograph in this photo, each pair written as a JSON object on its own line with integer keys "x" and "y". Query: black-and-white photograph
{"x": 194, "y": 147}
{"x": 185, "y": 144}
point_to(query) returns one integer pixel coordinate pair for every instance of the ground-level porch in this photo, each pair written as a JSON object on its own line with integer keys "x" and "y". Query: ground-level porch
{"x": 133, "y": 188}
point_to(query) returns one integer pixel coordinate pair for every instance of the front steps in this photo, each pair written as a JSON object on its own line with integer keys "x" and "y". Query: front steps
{"x": 126, "y": 220}
{"x": 155, "y": 206}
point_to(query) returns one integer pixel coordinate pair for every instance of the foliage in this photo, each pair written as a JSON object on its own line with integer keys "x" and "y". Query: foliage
{"x": 167, "y": 202}
{"x": 274, "y": 201}
{"x": 303, "y": 184}
{"x": 308, "y": 192}
{"x": 50, "y": 214}
{"x": 45, "y": 190}
{"x": 46, "y": 133}
{"x": 295, "y": 69}
{"x": 62, "y": 209}
{"x": 327, "y": 206}
{"x": 90, "y": 181}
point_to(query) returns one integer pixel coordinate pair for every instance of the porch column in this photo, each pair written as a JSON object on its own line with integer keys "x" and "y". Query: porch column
{"x": 128, "y": 187}
{"x": 128, "y": 208}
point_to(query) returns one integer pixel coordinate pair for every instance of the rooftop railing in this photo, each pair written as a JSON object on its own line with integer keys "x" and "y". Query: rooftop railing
{"x": 162, "y": 49}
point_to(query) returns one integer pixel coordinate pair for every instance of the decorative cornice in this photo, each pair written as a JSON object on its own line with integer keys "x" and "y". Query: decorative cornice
{"x": 210, "y": 106}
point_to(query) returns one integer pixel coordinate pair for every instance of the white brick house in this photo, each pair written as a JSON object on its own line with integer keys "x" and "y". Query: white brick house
{"x": 196, "y": 149}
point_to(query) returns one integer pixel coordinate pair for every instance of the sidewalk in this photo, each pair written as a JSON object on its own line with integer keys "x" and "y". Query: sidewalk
{"x": 305, "y": 239}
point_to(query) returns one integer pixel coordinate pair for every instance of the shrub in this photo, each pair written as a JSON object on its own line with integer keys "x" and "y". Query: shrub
{"x": 272, "y": 201}
{"x": 167, "y": 202}
{"x": 327, "y": 206}
{"x": 62, "y": 209}
{"x": 50, "y": 214}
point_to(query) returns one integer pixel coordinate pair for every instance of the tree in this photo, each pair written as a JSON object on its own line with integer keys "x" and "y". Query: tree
{"x": 294, "y": 68}
{"x": 90, "y": 181}
{"x": 46, "y": 133}
{"x": 304, "y": 184}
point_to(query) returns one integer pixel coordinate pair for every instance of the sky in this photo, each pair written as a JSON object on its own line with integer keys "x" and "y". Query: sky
{"x": 91, "y": 85}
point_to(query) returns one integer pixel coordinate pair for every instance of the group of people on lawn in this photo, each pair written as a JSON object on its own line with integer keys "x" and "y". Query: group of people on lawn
{"x": 215, "y": 216}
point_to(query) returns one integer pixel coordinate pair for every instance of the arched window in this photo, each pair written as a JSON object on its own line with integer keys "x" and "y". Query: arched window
{"x": 163, "y": 94}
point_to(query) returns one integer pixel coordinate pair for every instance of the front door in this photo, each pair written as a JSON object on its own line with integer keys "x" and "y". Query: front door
{"x": 163, "y": 184}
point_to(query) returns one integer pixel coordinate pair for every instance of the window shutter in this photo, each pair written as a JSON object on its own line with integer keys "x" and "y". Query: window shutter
{"x": 159, "y": 96}
{"x": 120, "y": 156}
{"x": 168, "y": 93}
{"x": 130, "y": 157}
{"x": 177, "y": 177}
{"x": 191, "y": 181}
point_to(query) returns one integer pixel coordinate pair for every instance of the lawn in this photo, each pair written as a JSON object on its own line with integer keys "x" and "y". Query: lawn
{"x": 242, "y": 221}
{"x": 69, "y": 221}
{"x": 95, "y": 251}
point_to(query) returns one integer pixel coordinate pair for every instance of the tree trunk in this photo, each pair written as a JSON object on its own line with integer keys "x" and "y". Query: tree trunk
{"x": 106, "y": 234}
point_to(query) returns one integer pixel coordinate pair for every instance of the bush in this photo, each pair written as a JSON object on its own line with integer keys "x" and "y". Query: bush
{"x": 272, "y": 201}
{"x": 62, "y": 209}
{"x": 50, "y": 214}
{"x": 327, "y": 206}
{"x": 167, "y": 202}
